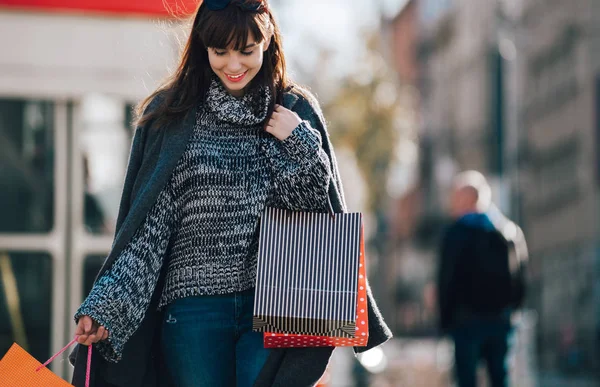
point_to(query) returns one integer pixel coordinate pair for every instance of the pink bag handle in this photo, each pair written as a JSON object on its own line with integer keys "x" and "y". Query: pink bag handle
{"x": 89, "y": 360}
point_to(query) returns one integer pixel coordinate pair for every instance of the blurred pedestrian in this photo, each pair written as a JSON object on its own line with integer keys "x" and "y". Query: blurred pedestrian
{"x": 481, "y": 280}
{"x": 227, "y": 135}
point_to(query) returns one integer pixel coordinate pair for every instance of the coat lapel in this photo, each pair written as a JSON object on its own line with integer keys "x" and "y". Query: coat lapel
{"x": 174, "y": 142}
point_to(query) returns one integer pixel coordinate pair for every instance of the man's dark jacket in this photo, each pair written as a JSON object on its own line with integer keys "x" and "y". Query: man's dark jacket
{"x": 154, "y": 155}
{"x": 455, "y": 295}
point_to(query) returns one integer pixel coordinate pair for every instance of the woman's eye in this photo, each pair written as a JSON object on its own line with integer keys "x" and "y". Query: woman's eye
{"x": 220, "y": 53}
{"x": 247, "y": 53}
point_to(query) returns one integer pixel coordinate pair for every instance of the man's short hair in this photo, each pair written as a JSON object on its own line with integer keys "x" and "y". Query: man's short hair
{"x": 475, "y": 181}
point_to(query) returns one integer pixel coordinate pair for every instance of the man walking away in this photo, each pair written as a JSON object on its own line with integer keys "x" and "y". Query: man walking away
{"x": 481, "y": 280}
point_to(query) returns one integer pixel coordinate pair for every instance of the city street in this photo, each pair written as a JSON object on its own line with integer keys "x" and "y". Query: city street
{"x": 428, "y": 363}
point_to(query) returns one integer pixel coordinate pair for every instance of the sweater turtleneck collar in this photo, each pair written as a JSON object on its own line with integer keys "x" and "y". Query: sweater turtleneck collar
{"x": 251, "y": 109}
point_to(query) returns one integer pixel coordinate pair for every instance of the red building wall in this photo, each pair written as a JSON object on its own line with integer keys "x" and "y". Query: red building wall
{"x": 404, "y": 43}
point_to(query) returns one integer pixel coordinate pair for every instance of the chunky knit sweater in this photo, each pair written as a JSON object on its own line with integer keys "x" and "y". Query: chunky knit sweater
{"x": 205, "y": 221}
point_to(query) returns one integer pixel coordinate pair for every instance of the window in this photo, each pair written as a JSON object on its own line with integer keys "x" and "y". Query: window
{"x": 25, "y": 302}
{"x": 105, "y": 143}
{"x": 26, "y": 166}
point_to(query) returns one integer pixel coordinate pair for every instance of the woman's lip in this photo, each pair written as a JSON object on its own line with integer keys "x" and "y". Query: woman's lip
{"x": 236, "y": 79}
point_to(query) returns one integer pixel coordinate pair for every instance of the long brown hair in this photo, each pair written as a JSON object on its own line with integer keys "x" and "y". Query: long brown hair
{"x": 226, "y": 28}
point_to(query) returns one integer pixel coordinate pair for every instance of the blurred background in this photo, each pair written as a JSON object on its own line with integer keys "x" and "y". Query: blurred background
{"x": 414, "y": 91}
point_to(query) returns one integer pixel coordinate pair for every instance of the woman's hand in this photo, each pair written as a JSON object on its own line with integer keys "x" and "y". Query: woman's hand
{"x": 283, "y": 122}
{"x": 89, "y": 331}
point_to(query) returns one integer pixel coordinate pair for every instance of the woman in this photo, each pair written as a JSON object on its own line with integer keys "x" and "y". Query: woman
{"x": 226, "y": 136}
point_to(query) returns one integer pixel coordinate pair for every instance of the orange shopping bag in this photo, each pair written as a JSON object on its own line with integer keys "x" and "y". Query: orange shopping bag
{"x": 19, "y": 369}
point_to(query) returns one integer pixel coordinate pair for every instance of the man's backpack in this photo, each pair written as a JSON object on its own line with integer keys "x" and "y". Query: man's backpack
{"x": 494, "y": 277}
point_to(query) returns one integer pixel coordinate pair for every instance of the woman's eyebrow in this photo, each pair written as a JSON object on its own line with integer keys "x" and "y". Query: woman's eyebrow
{"x": 242, "y": 49}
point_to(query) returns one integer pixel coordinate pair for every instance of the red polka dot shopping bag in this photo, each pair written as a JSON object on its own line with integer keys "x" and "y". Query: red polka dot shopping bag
{"x": 311, "y": 282}
{"x": 19, "y": 369}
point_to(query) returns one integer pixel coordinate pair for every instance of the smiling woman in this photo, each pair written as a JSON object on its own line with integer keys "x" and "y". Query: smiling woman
{"x": 227, "y": 136}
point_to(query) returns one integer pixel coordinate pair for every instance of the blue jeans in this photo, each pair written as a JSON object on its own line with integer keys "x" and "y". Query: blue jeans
{"x": 486, "y": 339}
{"x": 208, "y": 341}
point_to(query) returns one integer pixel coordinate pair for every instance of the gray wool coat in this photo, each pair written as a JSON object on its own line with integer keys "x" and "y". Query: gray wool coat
{"x": 154, "y": 155}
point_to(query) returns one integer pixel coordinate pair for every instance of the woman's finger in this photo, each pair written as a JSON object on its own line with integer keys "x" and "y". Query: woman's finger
{"x": 90, "y": 340}
{"x": 105, "y": 336}
{"x": 82, "y": 338}
{"x": 100, "y": 332}
{"x": 87, "y": 324}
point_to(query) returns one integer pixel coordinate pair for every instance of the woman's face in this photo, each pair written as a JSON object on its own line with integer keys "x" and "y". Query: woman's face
{"x": 235, "y": 68}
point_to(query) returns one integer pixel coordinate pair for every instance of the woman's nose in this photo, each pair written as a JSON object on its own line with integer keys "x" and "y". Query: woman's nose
{"x": 234, "y": 65}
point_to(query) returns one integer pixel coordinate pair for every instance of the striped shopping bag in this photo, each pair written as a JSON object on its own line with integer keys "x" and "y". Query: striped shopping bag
{"x": 308, "y": 277}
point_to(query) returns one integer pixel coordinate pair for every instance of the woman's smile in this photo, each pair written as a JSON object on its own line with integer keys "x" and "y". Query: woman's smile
{"x": 237, "y": 77}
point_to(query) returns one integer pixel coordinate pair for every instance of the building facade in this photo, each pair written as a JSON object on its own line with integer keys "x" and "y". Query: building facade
{"x": 510, "y": 88}
{"x": 559, "y": 185}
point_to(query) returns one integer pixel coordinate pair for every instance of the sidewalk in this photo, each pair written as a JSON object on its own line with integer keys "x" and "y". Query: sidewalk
{"x": 556, "y": 380}
{"x": 410, "y": 363}
{"x": 429, "y": 362}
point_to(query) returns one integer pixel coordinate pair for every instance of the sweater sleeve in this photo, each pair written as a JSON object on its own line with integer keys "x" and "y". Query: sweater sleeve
{"x": 301, "y": 170}
{"x": 120, "y": 297}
